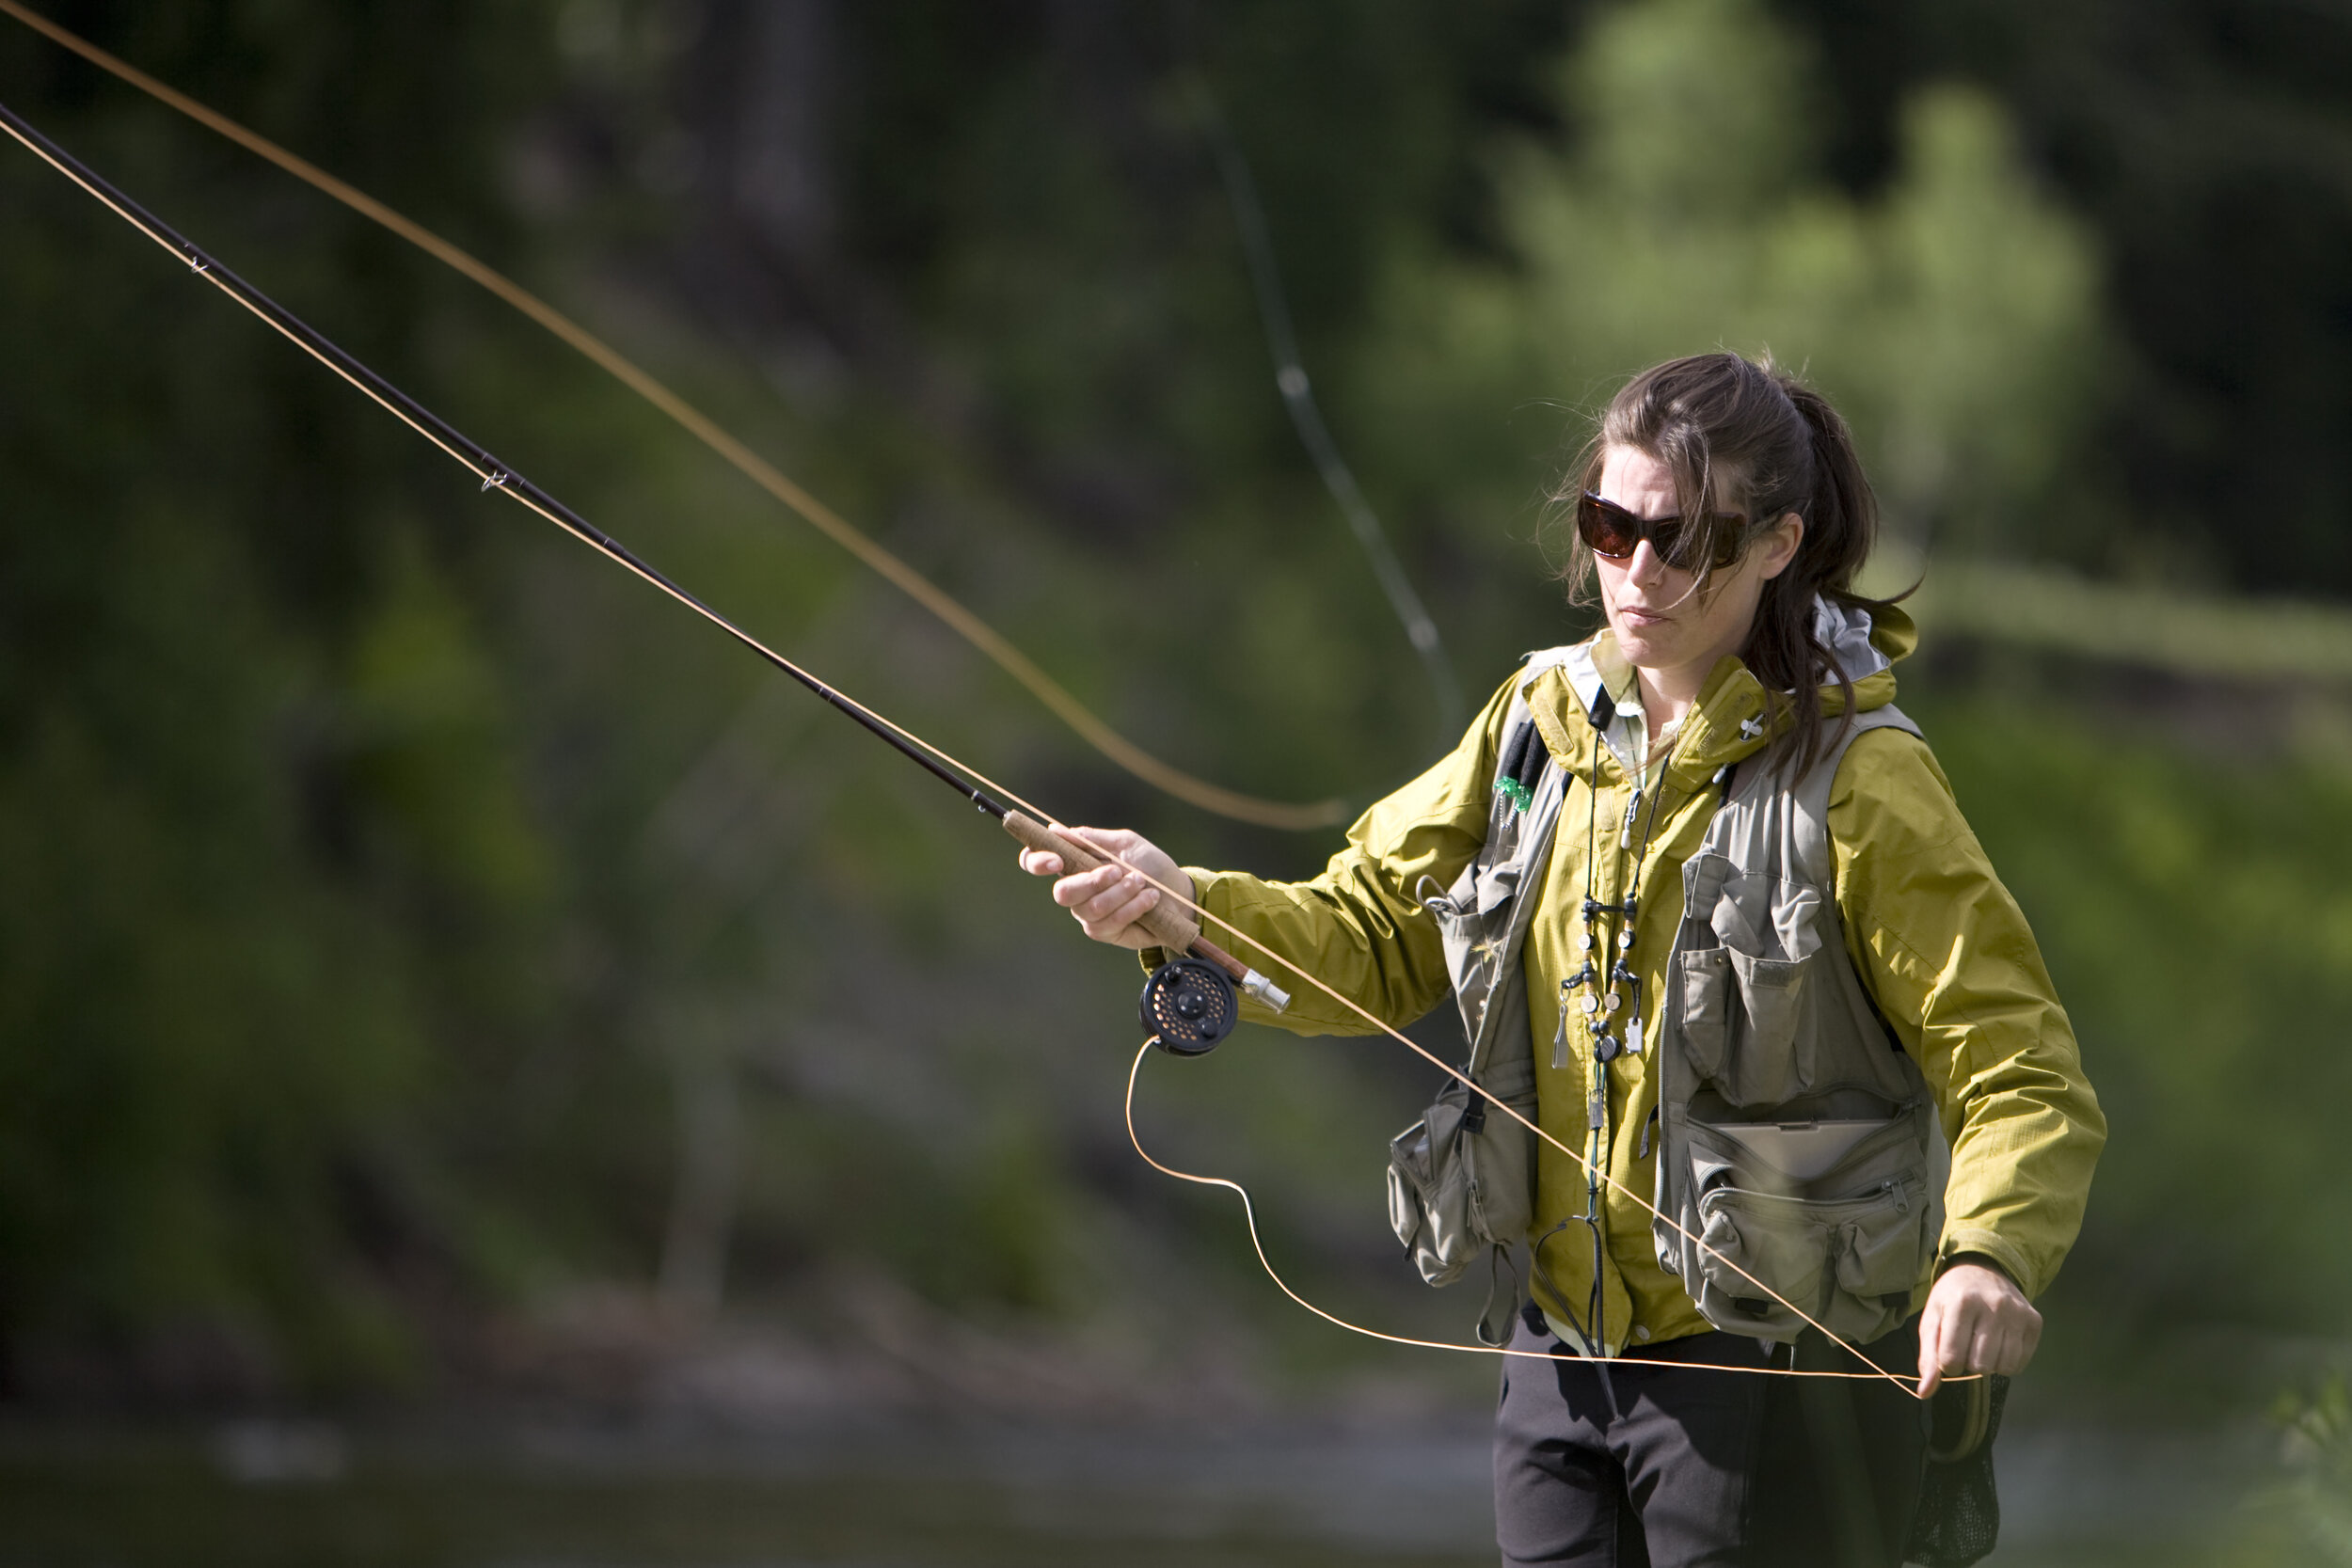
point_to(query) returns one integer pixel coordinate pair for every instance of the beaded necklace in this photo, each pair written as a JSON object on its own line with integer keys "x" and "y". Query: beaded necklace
{"x": 1600, "y": 1008}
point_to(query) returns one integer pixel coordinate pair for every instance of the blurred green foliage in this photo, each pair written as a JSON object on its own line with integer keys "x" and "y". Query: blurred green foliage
{"x": 2317, "y": 1445}
{"x": 1953, "y": 315}
{"x": 408, "y": 924}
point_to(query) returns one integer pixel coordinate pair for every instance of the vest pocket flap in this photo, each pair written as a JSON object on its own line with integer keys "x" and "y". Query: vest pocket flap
{"x": 1496, "y": 887}
{"x": 1787, "y": 1156}
{"x": 1767, "y": 917}
{"x": 1823, "y": 1159}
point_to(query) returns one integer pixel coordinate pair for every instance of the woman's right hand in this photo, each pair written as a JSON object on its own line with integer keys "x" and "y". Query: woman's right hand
{"x": 1109, "y": 900}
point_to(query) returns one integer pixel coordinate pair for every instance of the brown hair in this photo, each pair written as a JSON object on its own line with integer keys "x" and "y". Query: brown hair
{"x": 1745, "y": 436}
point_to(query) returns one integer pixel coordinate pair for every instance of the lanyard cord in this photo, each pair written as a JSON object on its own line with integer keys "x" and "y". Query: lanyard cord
{"x": 1058, "y": 698}
{"x": 975, "y": 786}
{"x": 1599, "y": 1119}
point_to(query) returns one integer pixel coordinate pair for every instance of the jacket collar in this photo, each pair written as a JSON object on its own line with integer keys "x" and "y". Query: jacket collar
{"x": 1567, "y": 693}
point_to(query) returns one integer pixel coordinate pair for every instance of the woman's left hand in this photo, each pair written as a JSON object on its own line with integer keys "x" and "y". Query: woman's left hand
{"x": 1977, "y": 1321}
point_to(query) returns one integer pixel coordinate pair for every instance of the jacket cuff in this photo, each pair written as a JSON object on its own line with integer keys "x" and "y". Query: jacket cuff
{"x": 1993, "y": 1249}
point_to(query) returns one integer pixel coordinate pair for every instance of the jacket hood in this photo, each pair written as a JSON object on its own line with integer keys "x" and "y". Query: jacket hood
{"x": 1729, "y": 721}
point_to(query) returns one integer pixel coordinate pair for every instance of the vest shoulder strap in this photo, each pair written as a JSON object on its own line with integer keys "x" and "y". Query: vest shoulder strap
{"x": 1770, "y": 825}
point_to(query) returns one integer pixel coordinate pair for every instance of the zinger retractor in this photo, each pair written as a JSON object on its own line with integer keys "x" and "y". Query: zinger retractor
{"x": 1188, "y": 1006}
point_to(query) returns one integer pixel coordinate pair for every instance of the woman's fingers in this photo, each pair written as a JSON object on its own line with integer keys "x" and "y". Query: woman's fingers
{"x": 1117, "y": 900}
{"x": 1109, "y": 917}
{"x": 1074, "y": 892}
{"x": 1955, "y": 1331}
{"x": 1108, "y": 899}
{"x": 1976, "y": 1321}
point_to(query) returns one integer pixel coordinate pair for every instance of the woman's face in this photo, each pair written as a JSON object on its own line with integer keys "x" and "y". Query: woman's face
{"x": 1663, "y": 627}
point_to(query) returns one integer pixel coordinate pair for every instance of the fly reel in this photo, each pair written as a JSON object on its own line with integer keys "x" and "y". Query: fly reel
{"x": 1188, "y": 1005}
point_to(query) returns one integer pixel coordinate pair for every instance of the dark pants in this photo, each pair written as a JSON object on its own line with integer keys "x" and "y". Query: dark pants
{"x": 1638, "y": 1463}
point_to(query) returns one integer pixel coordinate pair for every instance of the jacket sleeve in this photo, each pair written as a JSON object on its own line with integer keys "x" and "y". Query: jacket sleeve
{"x": 1359, "y": 927}
{"x": 1949, "y": 957}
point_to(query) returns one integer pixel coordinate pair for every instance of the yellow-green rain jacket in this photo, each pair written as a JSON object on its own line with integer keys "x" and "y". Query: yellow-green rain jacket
{"x": 1936, "y": 938}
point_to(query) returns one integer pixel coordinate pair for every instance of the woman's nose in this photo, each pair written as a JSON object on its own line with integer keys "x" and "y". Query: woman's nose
{"x": 1645, "y": 566}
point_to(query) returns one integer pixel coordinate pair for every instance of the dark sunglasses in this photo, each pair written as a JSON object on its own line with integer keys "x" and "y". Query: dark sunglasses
{"x": 1610, "y": 529}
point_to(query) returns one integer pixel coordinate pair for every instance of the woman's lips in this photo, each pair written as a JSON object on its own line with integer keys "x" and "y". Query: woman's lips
{"x": 1641, "y": 617}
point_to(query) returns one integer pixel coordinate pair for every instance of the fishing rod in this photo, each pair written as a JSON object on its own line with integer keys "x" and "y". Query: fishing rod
{"x": 1057, "y": 698}
{"x": 1189, "y": 1001}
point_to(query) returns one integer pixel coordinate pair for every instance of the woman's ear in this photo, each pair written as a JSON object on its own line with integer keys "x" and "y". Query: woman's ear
{"x": 1776, "y": 546}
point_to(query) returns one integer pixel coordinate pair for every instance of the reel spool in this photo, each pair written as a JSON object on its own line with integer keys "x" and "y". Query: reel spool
{"x": 1188, "y": 1006}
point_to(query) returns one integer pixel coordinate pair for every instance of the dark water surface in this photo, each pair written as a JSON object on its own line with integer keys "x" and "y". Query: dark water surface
{"x": 293, "y": 1495}
{"x": 271, "y": 1494}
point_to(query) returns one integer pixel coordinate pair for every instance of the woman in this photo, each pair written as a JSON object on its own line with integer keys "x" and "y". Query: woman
{"x": 1721, "y": 514}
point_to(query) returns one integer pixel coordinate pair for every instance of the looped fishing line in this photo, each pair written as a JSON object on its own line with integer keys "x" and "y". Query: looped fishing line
{"x": 1249, "y": 1214}
{"x": 1058, "y": 698}
{"x": 1207, "y": 917}
{"x": 494, "y": 476}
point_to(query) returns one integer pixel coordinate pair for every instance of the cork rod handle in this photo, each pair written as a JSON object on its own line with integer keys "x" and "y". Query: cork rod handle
{"x": 1169, "y": 925}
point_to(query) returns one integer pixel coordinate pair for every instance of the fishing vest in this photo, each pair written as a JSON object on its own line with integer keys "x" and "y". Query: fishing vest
{"x": 1462, "y": 1179}
{"x": 1798, "y": 1139}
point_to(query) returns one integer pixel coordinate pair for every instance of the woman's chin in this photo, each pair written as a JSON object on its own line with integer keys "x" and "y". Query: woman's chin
{"x": 1644, "y": 644}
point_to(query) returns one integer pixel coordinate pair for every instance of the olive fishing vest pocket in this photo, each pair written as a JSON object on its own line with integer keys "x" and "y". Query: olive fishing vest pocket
{"x": 1796, "y": 1171}
{"x": 1462, "y": 1179}
{"x": 1829, "y": 1216}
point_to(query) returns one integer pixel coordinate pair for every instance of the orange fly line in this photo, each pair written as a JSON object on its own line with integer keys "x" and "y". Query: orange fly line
{"x": 1057, "y": 697}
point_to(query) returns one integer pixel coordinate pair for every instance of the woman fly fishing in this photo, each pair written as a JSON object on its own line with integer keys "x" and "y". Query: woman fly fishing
{"x": 1714, "y": 921}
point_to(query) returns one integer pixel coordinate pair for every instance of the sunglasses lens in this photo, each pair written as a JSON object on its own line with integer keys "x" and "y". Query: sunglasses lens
{"x": 1607, "y": 529}
{"x": 1670, "y": 541}
{"x": 1679, "y": 548}
{"x": 1610, "y": 529}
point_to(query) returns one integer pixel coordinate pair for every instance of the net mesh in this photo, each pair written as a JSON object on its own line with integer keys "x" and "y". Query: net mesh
{"x": 1959, "y": 1512}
